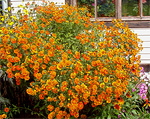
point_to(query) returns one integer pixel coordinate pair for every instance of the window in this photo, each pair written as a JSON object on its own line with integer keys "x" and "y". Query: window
{"x": 135, "y": 12}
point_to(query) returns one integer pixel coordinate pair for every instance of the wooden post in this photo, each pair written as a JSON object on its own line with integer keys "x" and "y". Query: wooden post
{"x": 67, "y": 2}
{"x": 73, "y": 2}
{"x": 140, "y": 8}
{"x": 118, "y": 12}
{"x": 95, "y": 9}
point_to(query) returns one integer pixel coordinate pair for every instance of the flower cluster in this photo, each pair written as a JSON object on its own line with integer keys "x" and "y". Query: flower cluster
{"x": 143, "y": 84}
{"x": 143, "y": 90}
{"x": 6, "y": 110}
{"x": 73, "y": 61}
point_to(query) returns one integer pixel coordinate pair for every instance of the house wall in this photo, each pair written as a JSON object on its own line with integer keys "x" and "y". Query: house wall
{"x": 15, "y": 3}
{"x": 143, "y": 33}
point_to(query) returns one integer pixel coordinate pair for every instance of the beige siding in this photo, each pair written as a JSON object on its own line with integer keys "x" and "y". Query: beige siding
{"x": 144, "y": 35}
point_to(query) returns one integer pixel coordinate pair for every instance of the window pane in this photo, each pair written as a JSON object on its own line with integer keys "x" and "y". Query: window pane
{"x": 89, "y": 4}
{"x": 146, "y": 7}
{"x": 105, "y": 8}
{"x": 130, "y": 8}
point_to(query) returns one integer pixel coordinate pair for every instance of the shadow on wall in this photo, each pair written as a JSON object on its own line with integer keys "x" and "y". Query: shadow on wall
{"x": 146, "y": 67}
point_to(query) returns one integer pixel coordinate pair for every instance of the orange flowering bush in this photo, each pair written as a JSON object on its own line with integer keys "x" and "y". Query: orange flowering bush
{"x": 77, "y": 65}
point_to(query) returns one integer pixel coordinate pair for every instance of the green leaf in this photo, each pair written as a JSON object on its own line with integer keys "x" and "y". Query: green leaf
{"x": 31, "y": 113}
{"x": 11, "y": 115}
{"x": 127, "y": 104}
{"x": 109, "y": 117}
{"x": 134, "y": 112}
{"x": 42, "y": 108}
{"x": 37, "y": 104}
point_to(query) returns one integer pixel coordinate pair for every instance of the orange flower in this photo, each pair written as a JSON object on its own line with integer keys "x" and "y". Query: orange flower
{"x": 17, "y": 75}
{"x": 62, "y": 97}
{"x": 69, "y": 51}
{"x": 13, "y": 68}
{"x": 10, "y": 75}
{"x": 18, "y": 82}
{"x": 9, "y": 58}
{"x": 92, "y": 98}
{"x": 47, "y": 32}
{"x": 4, "y": 116}
{"x": 120, "y": 100}
{"x": 96, "y": 72}
{"x": 25, "y": 47}
{"x": 54, "y": 35}
{"x": 16, "y": 59}
{"x": 68, "y": 63}
{"x": 106, "y": 79}
{"x": 64, "y": 83}
{"x": 76, "y": 81}
{"x": 41, "y": 96}
{"x": 109, "y": 90}
{"x": 128, "y": 94}
{"x": 48, "y": 88}
{"x": 50, "y": 107}
{"x": 43, "y": 25}
{"x": 28, "y": 35}
{"x": 50, "y": 53}
{"x": 38, "y": 76}
{"x": 9, "y": 71}
{"x": 117, "y": 106}
{"x": 55, "y": 90}
{"x": 83, "y": 116}
{"x": 94, "y": 64}
{"x": 99, "y": 54}
{"x": 29, "y": 91}
{"x": 88, "y": 66}
{"x": 63, "y": 88}
{"x": 53, "y": 74}
{"x": 45, "y": 92}
{"x": 76, "y": 114}
{"x": 5, "y": 31}
{"x": 77, "y": 55}
{"x": 59, "y": 66}
{"x": 51, "y": 115}
{"x": 41, "y": 31}
{"x": 41, "y": 53}
{"x": 93, "y": 44}
{"x": 9, "y": 64}
{"x": 87, "y": 58}
{"x": 40, "y": 60}
{"x": 18, "y": 67}
{"x": 73, "y": 75}
{"x": 43, "y": 66}
{"x": 102, "y": 85}
{"x": 76, "y": 21}
{"x": 6, "y": 109}
{"x": 54, "y": 99}
{"x": 52, "y": 67}
{"x": 33, "y": 48}
{"x": 13, "y": 40}
{"x": 16, "y": 51}
{"x": 49, "y": 99}
{"x": 81, "y": 105}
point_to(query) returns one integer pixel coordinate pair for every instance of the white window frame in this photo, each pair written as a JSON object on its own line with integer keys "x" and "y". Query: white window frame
{"x": 4, "y": 4}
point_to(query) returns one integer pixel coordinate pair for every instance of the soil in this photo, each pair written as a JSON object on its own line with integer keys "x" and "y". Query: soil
{"x": 27, "y": 116}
